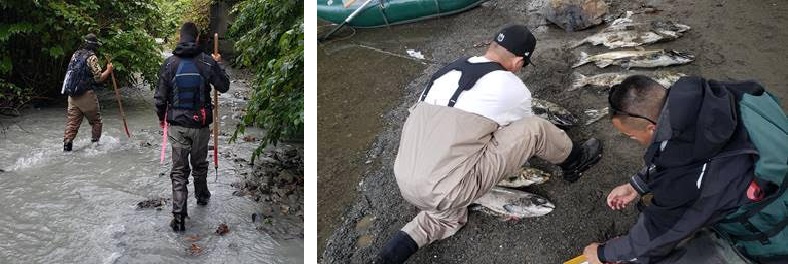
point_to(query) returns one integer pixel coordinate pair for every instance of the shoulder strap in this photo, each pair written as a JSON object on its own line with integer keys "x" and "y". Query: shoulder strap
{"x": 446, "y": 69}
{"x": 470, "y": 73}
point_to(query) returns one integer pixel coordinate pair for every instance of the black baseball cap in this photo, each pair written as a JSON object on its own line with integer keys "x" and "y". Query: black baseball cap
{"x": 91, "y": 38}
{"x": 518, "y": 40}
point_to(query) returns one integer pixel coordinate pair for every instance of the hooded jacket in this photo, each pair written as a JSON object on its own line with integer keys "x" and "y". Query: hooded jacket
{"x": 209, "y": 69}
{"x": 698, "y": 169}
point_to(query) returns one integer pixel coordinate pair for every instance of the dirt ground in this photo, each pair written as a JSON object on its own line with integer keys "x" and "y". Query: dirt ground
{"x": 363, "y": 96}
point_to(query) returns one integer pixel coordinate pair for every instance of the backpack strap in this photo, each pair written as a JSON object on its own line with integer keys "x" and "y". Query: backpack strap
{"x": 470, "y": 74}
{"x": 760, "y": 235}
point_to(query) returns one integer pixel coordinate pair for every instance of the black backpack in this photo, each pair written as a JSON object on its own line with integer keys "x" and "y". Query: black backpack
{"x": 79, "y": 77}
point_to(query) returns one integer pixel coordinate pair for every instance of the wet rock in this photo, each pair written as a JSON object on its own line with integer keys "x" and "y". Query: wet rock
{"x": 574, "y": 15}
{"x": 222, "y": 229}
{"x": 195, "y": 249}
{"x": 249, "y": 138}
{"x": 286, "y": 177}
{"x": 153, "y": 203}
{"x": 279, "y": 228}
{"x": 364, "y": 241}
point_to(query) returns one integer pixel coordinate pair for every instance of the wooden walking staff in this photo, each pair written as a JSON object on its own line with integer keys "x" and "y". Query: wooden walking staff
{"x": 117, "y": 96}
{"x": 215, "y": 117}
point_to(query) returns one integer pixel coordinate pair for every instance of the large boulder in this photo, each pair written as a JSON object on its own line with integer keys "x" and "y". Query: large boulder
{"x": 573, "y": 15}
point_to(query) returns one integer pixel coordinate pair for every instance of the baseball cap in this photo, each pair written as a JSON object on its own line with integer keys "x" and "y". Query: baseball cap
{"x": 91, "y": 39}
{"x": 518, "y": 40}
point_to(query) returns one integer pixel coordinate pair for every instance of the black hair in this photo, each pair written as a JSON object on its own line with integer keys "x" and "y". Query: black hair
{"x": 189, "y": 31}
{"x": 637, "y": 96}
{"x": 89, "y": 46}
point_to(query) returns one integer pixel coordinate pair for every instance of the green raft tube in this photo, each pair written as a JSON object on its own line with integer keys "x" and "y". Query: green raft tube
{"x": 379, "y": 13}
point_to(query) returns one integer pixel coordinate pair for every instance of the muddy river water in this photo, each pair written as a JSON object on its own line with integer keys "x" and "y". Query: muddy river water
{"x": 81, "y": 206}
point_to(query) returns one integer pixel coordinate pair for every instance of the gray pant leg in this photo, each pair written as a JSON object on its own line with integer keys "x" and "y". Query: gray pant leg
{"x": 181, "y": 147}
{"x": 199, "y": 162}
{"x": 704, "y": 247}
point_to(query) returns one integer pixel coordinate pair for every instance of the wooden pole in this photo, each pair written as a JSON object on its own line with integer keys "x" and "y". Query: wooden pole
{"x": 120, "y": 105}
{"x": 215, "y": 117}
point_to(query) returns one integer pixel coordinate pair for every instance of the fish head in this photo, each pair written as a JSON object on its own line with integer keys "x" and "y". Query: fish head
{"x": 554, "y": 113}
{"x": 530, "y": 206}
{"x": 563, "y": 119}
{"x": 669, "y": 26}
{"x": 682, "y": 57}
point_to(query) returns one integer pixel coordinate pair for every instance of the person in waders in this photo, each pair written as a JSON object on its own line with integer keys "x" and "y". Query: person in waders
{"x": 83, "y": 76}
{"x": 471, "y": 127}
{"x": 183, "y": 97}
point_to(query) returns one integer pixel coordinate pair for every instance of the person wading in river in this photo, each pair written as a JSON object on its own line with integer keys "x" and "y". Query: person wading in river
{"x": 472, "y": 126}
{"x": 83, "y": 76}
{"x": 183, "y": 98}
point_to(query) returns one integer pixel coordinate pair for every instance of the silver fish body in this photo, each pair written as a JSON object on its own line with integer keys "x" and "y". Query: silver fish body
{"x": 607, "y": 57}
{"x": 593, "y": 115}
{"x": 664, "y": 78}
{"x": 514, "y": 204}
{"x": 624, "y": 32}
{"x": 553, "y": 112}
{"x": 636, "y": 58}
{"x": 622, "y": 39}
{"x": 666, "y": 58}
{"x": 526, "y": 177}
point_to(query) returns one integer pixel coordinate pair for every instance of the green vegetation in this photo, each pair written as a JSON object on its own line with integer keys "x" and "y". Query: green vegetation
{"x": 178, "y": 11}
{"x": 270, "y": 43}
{"x": 38, "y": 37}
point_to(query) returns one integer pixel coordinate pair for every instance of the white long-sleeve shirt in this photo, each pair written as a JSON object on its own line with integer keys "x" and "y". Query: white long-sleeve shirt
{"x": 499, "y": 95}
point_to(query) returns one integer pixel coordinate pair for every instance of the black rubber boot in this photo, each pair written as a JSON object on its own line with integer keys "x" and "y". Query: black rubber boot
{"x": 582, "y": 157}
{"x": 178, "y": 223}
{"x": 67, "y": 146}
{"x": 203, "y": 200}
{"x": 398, "y": 249}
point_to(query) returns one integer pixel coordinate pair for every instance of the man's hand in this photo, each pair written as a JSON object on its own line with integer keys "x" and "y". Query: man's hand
{"x": 217, "y": 57}
{"x": 161, "y": 124}
{"x": 591, "y": 254}
{"x": 110, "y": 68}
{"x": 621, "y": 196}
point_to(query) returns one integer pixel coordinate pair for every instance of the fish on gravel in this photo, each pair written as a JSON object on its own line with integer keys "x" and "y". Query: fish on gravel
{"x": 513, "y": 204}
{"x": 636, "y": 58}
{"x": 664, "y": 78}
{"x": 526, "y": 177}
{"x": 593, "y": 115}
{"x": 636, "y": 35}
{"x": 553, "y": 112}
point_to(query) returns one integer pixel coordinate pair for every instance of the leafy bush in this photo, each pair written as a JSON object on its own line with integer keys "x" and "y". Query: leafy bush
{"x": 270, "y": 42}
{"x": 38, "y": 37}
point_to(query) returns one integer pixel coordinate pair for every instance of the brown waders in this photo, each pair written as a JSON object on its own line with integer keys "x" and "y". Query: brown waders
{"x": 85, "y": 105}
{"x": 448, "y": 158}
{"x": 189, "y": 146}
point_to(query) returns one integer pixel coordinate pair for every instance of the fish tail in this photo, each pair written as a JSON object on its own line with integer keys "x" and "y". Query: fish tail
{"x": 577, "y": 44}
{"x": 583, "y": 60}
{"x": 578, "y": 81}
{"x": 603, "y": 63}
